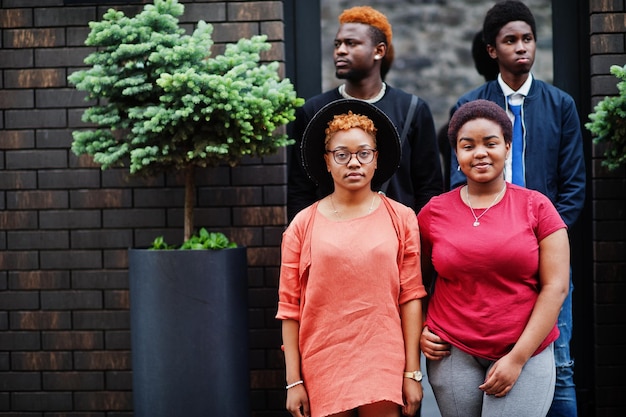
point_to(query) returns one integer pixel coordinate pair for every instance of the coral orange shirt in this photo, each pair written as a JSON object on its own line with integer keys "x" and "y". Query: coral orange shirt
{"x": 347, "y": 301}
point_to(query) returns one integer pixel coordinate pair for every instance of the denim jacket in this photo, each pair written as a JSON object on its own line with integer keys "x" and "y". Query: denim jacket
{"x": 553, "y": 147}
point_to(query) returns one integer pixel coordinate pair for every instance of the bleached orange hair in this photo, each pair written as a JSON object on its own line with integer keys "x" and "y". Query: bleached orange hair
{"x": 348, "y": 121}
{"x": 368, "y": 16}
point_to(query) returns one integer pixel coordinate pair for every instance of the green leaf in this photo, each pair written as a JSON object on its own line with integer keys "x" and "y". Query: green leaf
{"x": 208, "y": 240}
{"x": 608, "y": 123}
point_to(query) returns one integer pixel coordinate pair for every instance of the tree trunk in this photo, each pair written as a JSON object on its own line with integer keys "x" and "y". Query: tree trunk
{"x": 190, "y": 191}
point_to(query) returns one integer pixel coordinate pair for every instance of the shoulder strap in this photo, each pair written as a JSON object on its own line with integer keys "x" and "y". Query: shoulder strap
{"x": 405, "y": 131}
{"x": 409, "y": 118}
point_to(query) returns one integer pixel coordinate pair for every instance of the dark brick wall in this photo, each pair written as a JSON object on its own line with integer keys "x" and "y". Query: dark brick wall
{"x": 608, "y": 47}
{"x": 65, "y": 225}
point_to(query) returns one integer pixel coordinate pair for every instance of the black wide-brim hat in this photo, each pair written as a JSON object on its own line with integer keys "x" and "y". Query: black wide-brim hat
{"x": 313, "y": 147}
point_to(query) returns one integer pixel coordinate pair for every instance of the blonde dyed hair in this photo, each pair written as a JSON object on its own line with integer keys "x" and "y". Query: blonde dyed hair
{"x": 348, "y": 121}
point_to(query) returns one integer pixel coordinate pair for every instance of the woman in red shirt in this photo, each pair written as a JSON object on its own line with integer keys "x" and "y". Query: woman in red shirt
{"x": 501, "y": 256}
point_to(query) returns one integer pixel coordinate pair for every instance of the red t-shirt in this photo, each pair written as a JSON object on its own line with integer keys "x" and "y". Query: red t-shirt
{"x": 488, "y": 276}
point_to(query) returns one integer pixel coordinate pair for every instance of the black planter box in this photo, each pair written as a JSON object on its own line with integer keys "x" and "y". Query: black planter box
{"x": 189, "y": 333}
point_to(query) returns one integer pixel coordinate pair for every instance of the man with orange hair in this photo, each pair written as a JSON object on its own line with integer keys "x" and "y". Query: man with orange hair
{"x": 363, "y": 55}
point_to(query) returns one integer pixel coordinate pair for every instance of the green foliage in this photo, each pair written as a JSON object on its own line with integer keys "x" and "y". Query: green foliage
{"x": 160, "y": 244}
{"x": 200, "y": 241}
{"x": 608, "y": 122}
{"x": 165, "y": 105}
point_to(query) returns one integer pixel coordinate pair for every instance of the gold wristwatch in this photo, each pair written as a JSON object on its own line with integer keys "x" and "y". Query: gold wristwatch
{"x": 416, "y": 375}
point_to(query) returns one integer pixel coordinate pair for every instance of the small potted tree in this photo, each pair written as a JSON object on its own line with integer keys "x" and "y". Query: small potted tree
{"x": 164, "y": 105}
{"x": 608, "y": 123}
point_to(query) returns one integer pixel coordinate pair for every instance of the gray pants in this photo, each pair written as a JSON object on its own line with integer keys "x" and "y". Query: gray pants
{"x": 455, "y": 380}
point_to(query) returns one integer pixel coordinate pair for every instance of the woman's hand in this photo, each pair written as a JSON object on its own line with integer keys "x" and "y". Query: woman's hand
{"x": 434, "y": 347}
{"x": 502, "y": 376}
{"x": 298, "y": 401}
{"x": 412, "y": 393}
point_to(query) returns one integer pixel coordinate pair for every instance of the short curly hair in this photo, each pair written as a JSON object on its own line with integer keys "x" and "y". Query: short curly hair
{"x": 502, "y": 13}
{"x": 479, "y": 109}
{"x": 380, "y": 30}
{"x": 348, "y": 121}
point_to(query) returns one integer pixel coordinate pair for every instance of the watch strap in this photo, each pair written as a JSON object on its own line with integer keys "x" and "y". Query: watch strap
{"x": 415, "y": 375}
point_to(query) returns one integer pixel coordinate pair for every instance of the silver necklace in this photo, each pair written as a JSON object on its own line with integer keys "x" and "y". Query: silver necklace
{"x": 381, "y": 93}
{"x": 332, "y": 202}
{"x": 476, "y": 222}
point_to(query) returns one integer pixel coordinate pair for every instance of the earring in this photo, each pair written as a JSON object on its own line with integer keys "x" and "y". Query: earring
{"x": 377, "y": 57}
{"x": 458, "y": 167}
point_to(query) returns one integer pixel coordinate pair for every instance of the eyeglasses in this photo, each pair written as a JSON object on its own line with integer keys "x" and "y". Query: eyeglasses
{"x": 343, "y": 157}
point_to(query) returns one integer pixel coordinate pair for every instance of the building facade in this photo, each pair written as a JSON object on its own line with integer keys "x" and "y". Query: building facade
{"x": 66, "y": 225}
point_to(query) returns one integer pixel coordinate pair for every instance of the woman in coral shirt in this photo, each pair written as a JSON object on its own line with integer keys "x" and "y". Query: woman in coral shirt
{"x": 350, "y": 282}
